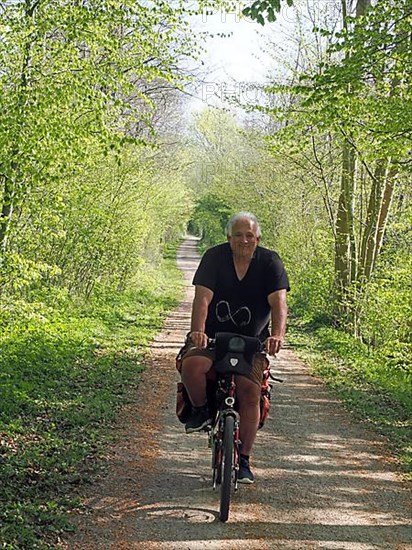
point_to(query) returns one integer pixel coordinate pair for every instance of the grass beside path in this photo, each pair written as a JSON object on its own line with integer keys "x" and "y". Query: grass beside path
{"x": 374, "y": 391}
{"x": 64, "y": 372}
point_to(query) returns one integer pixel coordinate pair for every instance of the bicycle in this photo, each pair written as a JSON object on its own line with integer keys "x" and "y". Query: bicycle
{"x": 233, "y": 355}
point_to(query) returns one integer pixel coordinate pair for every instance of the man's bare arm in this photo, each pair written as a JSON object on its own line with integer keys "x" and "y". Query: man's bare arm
{"x": 202, "y": 299}
{"x": 279, "y": 314}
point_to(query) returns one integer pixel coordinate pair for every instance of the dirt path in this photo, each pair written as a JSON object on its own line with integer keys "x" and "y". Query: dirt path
{"x": 323, "y": 481}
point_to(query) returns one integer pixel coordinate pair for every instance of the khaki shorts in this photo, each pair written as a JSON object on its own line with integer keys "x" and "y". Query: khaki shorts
{"x": 260, "y": 362}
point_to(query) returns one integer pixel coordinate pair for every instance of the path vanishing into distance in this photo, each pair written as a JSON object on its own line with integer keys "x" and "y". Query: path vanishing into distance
{"x": 322, "y": 479}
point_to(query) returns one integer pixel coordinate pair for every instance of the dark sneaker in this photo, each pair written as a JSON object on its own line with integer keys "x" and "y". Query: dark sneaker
{"x": 199, "y": 420}
{"x": 245, "y": 475}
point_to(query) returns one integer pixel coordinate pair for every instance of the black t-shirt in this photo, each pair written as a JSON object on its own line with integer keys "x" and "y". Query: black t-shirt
{"x": 240, "y": 306}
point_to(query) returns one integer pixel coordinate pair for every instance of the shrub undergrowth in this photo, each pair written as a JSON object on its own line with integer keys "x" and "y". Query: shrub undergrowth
{"x": 65, "y": 368}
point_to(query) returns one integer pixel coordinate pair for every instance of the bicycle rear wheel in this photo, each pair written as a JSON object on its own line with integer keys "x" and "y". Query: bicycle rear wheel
{"x": 227, "y": 467}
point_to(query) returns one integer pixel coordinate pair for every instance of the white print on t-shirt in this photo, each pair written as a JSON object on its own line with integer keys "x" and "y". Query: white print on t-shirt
{"x": 240, "y": 318}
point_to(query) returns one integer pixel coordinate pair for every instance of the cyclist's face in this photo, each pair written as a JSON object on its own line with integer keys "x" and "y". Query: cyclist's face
{"x": 244, "y": 239}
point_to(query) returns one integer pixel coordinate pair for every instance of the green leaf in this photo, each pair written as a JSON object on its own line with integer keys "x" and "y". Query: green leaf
{"x": 260, "y": 19}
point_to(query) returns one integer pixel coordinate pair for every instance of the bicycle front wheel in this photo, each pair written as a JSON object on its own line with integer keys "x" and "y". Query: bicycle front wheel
{"x": 227, "y": 467}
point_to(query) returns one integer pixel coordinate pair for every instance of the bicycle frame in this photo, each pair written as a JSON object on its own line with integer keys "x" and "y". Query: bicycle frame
{"x": 233, "y": 357}
{"x": 226, "y": 397}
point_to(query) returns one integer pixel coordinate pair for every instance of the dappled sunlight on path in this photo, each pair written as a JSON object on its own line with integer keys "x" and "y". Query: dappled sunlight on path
{"x": 323, "y": 481}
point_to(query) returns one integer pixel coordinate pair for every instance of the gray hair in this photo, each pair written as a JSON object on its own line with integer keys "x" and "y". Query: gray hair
{"x": 241, "y": 216}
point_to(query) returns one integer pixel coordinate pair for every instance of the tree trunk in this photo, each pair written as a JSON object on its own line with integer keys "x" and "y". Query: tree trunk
{"x": 362, "y": 7}
{"x": 346, "y": 259}
{"x": 372, "y": 252}
{"x": 345, "y": 243}
{"x": 6, "y": 213}
{"x": 369, "y": 241}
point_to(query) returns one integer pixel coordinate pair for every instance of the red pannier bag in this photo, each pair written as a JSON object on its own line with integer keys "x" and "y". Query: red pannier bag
{"x": 264, "y": 398}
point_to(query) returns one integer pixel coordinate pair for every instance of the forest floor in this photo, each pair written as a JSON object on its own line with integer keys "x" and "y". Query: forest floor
{"x": 323, "y": 480}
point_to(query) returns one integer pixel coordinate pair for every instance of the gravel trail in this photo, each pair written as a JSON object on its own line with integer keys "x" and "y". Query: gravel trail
{"x": 322, "y": 479}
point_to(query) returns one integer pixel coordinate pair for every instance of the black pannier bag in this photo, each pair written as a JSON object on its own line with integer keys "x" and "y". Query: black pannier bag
{"x": 238, "y": 361}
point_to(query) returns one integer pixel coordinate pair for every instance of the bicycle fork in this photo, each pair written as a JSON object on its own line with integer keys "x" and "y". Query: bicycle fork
{"x": 216, "y": 442}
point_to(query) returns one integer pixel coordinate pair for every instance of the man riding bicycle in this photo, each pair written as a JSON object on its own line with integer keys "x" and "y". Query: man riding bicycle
{"x": 240, "y": 287}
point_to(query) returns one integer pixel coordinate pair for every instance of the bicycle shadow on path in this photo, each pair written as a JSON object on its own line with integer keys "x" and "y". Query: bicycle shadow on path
{"x": 323, "y": 480}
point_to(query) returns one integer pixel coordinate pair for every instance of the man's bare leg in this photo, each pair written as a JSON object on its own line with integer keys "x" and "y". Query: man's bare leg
{"x": 194, "y": 370}
{"x": 248, "y": 393}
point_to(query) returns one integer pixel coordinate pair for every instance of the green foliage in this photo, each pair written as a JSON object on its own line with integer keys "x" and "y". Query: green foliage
{"x": 345, "y": 133}
{"x": 79, "y": 200}
{"x": 348, "y": 120}
{"x": 312, "y": 282}
{"x": 65, "y": 370}
{"x": 389, "y": 292}
{"x": 264, "y": 8}
{"x": 209, "y": 219}
{"x": 98, "y": 230}
{"x": 89, "y": 199}
{"x": 365, "y": 90}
